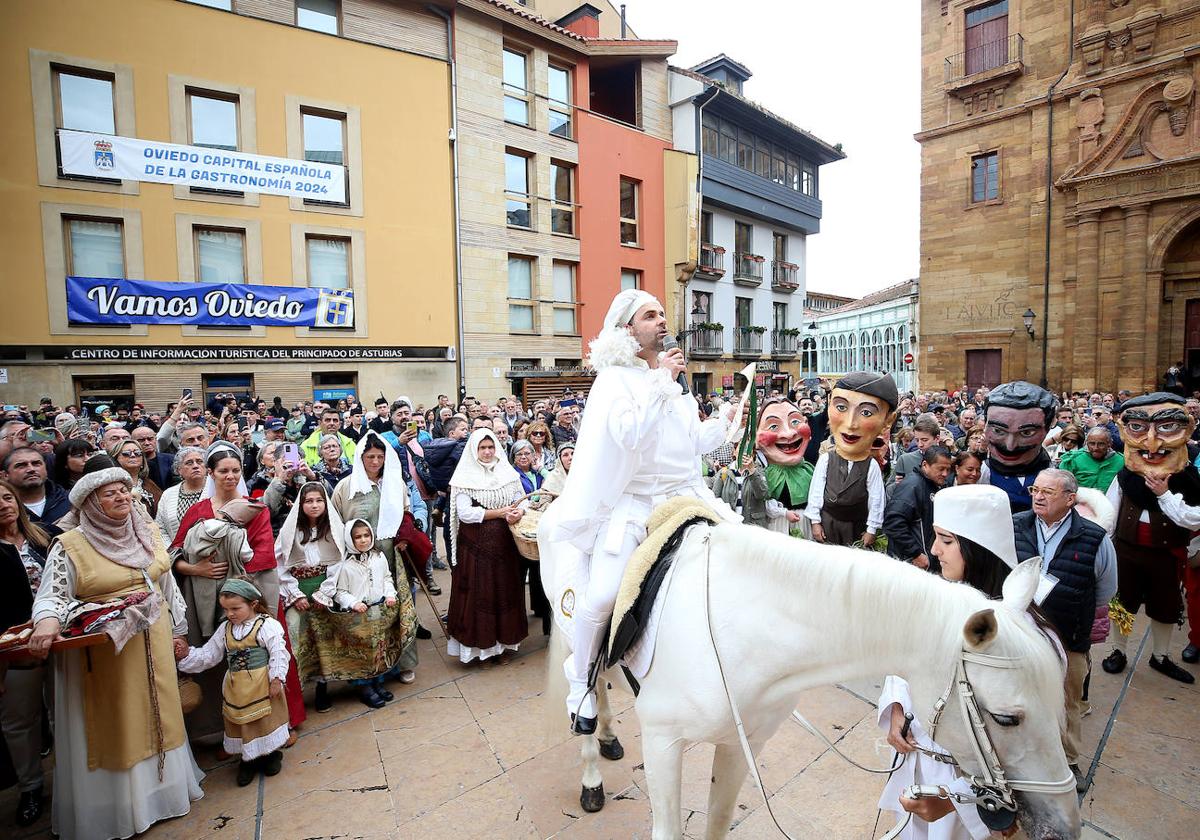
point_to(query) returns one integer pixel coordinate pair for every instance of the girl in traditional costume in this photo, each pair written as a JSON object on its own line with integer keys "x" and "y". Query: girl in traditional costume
{"x": 487, "y": 600}
{"x": 308, "y": 550}
{"x": 251, "y": 644}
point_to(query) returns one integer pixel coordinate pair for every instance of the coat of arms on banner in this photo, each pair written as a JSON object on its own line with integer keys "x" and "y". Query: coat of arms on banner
{"x": 335, "y": 308}
{"x": 104, "y": 155}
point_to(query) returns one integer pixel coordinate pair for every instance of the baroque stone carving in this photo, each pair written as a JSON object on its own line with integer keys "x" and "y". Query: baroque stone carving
{"x": 1177, "y": 98}
{"x": 1102, "y": 47}
{"x": 1117, "y": 44}
{"x": 1088, "y": 116}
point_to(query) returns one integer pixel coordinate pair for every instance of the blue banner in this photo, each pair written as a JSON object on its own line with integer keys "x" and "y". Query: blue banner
{"x": 99, "y": 300}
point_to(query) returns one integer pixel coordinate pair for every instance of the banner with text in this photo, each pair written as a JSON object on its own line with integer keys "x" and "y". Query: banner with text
{"x": 132, "y": 159}
{"x": 99, "y": 300}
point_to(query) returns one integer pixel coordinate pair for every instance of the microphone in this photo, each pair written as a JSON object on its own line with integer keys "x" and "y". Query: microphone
{"x": 669, "y": 343}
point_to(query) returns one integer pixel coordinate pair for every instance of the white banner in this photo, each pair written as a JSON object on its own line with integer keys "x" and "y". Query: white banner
{"x": 132, "y": 159}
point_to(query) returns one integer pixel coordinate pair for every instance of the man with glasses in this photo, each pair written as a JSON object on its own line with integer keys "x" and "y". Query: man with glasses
{"x": 1095, "y": 465}
{"x": 1099, "y": 417}
{"x": 160, "y": 465}
{"x": 1157, "y": 499}
{"x": 1079, "y": 576}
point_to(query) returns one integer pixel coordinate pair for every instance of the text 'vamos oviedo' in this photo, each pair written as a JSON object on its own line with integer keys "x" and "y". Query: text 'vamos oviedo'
{"x": 218, "y": 303}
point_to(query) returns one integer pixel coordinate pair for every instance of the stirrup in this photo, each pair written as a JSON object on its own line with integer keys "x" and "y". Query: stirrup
{"x": 583, "y": 725}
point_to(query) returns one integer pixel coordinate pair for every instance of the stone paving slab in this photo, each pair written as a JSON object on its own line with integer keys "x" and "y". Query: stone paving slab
{"x": 464, "y": 752}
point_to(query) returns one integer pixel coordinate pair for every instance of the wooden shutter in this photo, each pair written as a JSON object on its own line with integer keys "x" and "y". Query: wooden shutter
{"x": 986, "y": 42}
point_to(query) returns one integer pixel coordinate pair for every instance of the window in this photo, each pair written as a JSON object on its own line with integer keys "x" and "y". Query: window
{"x": 220, "y": 255}
{"x": 319, "y": 15}
{"x": 808, "y": 179}
{"x": 524, "y": 364}
{"x": 568, "y": 364}
{"x": 701, "y": 307}
{"x": 986, "y": 37}
{"x": 95, "y": 391}
{"x": 630, "y": 279}
{"x": 564, "y": 292}
{"x": 520, "y": 294}
{"x": 743, "y": 237}
{"x": 985, "y": 177}
{"x": 335, "y": 385}
{"x": 212, "y": 120}
{"x": 83, "y": 101}
{"x": 722, "y": 139}
{"x": 706, "y": 227}
{"x": 743, "y": 312}
{"x": 328, "y": 262}
{"x": 779, "y": 316}
{"x": 95, "y": 247}
{"x": 562, "y": 186}
{"x": 780, "y": 243}
{"x": 560, "y": 101}
{"x": 241, "y": 385}
{"x": 518, "y": 206}
{"x": 325, "y": 142}
{"x": 629, "y": 211}
{"x": 226, "y": 5}
{"x": 516, "y": 87}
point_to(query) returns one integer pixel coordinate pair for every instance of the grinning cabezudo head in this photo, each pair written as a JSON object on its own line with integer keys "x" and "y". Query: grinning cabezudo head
{"x": 1156, "y": 428}
{"x": 861, "y": 406}
{"x": 783, "y": 433}
{"x": 1017, "y": 416}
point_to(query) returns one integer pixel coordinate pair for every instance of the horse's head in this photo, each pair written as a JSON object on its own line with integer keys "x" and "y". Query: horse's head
{"x": 1014, "y": 699}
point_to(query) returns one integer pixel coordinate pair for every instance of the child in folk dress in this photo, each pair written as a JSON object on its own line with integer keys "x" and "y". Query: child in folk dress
{"x": 253, "y": 705}
{"x": 363, "y": 580}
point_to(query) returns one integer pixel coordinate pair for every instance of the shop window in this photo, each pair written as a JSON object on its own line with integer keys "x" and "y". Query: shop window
{"x": 113, "y": 391}
{"x": 319, "y": 15}
{"x": 241, "y": 385}
{"x": 334, "y": 386}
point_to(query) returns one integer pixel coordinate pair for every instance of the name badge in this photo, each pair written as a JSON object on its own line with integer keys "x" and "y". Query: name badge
{"x": 1045, "y": 586}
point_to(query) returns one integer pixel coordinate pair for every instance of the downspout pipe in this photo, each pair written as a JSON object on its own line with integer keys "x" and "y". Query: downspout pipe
{"x": 461, "y": 355}
{"x": 1050, "y": 191}
{"x": 700, "y": 101}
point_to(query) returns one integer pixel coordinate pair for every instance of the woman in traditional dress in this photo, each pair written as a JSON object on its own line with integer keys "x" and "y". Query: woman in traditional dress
{"x": 122, "y": 761}
{"x": 974, "y": 543}
{"x": 376, "y": 491}
{"x": 129, "y": 457}
{"x": 487, "y": 600}
{"x": 178, "y": 499}
{"x": 225, "y": 485}
{"x": 23, "y": 547}
{"x": 308, "y": 549}
{"x": 333, "y": 466}
{"x": 556, "y": 479}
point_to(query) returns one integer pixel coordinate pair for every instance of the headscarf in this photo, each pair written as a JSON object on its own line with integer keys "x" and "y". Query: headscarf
{"x": 128, "y": 541}
{"x": 492, "y": 486}
{"x": 241, "y": 588}
{"x": 393, "y": 492}
{"x": 351, "y": 553}
{"x": 210, "y": 486}
{"x": 288, "y": 550}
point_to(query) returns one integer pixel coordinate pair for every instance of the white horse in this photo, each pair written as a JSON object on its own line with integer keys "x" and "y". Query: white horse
{"x": 788, "y": 615}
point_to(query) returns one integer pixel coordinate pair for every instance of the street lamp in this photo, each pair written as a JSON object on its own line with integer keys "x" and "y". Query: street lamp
{"x": 1027, "y": 319}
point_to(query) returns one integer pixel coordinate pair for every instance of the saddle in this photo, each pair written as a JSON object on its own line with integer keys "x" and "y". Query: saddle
{"x": 648, "y": 568}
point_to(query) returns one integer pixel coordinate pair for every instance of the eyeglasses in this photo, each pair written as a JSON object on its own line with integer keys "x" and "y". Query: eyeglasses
{"x": 1048, "y": 492}
{"x": 132, "y": 454}
{"x": 537, "y": 434}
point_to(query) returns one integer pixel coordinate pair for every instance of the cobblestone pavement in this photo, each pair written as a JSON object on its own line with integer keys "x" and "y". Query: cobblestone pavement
{"x": 463, "y": 752}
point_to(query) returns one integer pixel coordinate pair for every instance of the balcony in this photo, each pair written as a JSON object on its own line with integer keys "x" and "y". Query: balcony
{"x": 785, "y": 276}
{"x": 748, "y": 269}
{"x": 748, "y": 341}
{"x": 985, "y": 63}
{"x": 785, "y": 343}
{"x": 712, "y": 262}
{"x": 706, "y": 341}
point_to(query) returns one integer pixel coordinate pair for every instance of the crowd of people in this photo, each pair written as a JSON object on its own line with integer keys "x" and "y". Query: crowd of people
{"x": 235, "y": 554}
{"x": 239, "y": 551}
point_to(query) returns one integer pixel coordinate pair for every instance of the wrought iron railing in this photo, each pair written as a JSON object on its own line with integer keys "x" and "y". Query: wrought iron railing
{"x": 706, "y": 341}
{"x": 748, "y": 269}
{"x": 784, "y": 343}
{"x": 747, "y": 341}
{"x": 712, "y": 258}
{"x": 785, "y": 276}
{"x": 1010, "y": 50}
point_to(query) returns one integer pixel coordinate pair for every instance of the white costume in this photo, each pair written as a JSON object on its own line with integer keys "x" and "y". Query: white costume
{"x": 640, "y": 443}
{"x": 920, "y": 769}
{"x": 363, "y": 577}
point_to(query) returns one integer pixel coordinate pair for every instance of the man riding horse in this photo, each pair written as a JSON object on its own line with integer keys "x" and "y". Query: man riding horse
{"x": 640, "y": 443}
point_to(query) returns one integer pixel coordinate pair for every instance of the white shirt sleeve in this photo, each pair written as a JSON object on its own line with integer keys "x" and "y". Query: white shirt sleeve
{"x": 816, "y": 490}
{"x": 270, "y": 636}
{"x": 876, "y": 497}
{"x": 57, "y": 591}
{"x": 175, "y": 604}
{"x": 289, "y": 587}
{"x": 389, "y": 583}
{"x": 630, "y": 421}
{"x": 1179, "y": 512}
{"x": 467, "y": 512}
{"x": 202, "y": 658}
{"x": 1114, "y": 495}
{"x": 714, "y": 430}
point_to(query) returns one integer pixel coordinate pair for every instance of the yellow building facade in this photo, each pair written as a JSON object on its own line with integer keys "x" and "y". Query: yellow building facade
{"x": 371, "y": 92}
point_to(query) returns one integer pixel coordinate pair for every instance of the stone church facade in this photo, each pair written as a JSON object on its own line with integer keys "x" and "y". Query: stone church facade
{"x": 1003, "y": 88}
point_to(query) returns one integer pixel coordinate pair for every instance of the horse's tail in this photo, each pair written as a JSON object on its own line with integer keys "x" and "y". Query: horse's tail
{"x": 555, "y": 695}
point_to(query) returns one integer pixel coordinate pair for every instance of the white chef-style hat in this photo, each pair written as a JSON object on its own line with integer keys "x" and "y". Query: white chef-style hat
{"x": 980, "y": 513}
{"x": 625, "y": 305}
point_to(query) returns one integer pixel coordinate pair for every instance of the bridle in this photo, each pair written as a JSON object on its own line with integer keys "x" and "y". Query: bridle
{"x": 991, "y": 790}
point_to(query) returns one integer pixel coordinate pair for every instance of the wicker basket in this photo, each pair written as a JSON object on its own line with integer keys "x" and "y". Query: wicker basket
{"x": 528, "y": 524}
{"x": 190, "y": 694}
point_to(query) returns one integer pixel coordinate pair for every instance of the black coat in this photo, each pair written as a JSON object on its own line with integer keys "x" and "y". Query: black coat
{"x": 162, "y": 469}
{"x": 441, "y": 455}
{"x": 58, "y": 505}
{"x": 908, "y": 519}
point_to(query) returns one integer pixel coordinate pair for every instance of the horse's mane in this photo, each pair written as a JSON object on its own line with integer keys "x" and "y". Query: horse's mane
{"x": 866, "y": 596}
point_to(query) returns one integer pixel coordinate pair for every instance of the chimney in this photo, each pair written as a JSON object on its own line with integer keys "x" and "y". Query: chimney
{"x": 583, "y": 21}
